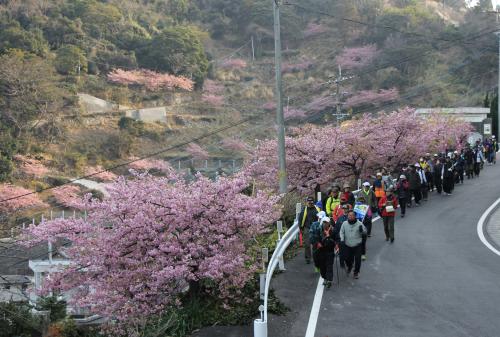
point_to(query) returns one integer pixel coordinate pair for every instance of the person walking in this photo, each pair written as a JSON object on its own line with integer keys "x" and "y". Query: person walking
{"x": 326, "y": 251}
{"x": 364, "y": 214}
{"x": 332, "y": 201}
{"x": 469, "y": 162}
{"x": 495, "y": 148}
{"x": 315, "y": 238}
{"x": 478, "y": 159}
{"x": 429, "y": 172}
{"x": 459, "y": 167}
{"x": 369, "y": 196}
{"x": 415, "y": 190}
{"x": 348, "y": 194}
{"x": 378, "y": 186}
{"x": 423, "y": 180}
{"x": 388, "y": 205}
{"x": 438, "y": 167}
{"x": 351, "y": 236}
{"x": 307, "y": 216}
{"x": 344, "y": 209}
{"x": 447, "y": 174}
{"x": 403, "y": 192}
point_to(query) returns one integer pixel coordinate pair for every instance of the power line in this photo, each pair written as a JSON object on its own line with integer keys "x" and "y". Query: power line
{"x": 367, "y": 24}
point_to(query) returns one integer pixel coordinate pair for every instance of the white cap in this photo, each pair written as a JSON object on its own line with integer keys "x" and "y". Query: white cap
{"x": 493, "y": 136}
{"x": 321, "y": 215}
{"x": 417, "y": 165}
{"x": 325, "y": 219}
{"x": 402, "y": 176}
{"x": 366, "y": 183}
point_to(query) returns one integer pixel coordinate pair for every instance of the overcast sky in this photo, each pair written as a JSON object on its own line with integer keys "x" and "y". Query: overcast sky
{"x": 495, "y": 3}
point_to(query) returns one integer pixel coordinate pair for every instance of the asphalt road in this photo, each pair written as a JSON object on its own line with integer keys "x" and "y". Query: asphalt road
{"x": 436, "y": 279}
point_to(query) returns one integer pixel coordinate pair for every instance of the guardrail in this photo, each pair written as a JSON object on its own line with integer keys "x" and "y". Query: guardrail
{"x": 260, "y": 325}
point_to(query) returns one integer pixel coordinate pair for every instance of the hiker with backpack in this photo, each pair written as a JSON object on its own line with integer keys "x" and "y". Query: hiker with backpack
{"x": 307, "y": 216}
{"x": 388, "y": 205}
{"x": 364, "y": 214}
{"x": 403, "y": 192}
{"x": 315, "y": 238}
{"x": 325, "y": 250}
{"x": 351, "y": 237}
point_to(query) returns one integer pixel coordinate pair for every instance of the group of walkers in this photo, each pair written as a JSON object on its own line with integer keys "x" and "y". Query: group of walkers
{"x": 340, "y": 224}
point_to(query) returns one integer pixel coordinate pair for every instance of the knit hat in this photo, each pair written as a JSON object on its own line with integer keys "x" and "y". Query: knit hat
{"x": 319, "y": 204}
{"x": 325, "y": 219}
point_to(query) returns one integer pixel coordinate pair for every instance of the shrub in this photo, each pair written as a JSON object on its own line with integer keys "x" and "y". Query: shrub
{"x": 70, "y": 60}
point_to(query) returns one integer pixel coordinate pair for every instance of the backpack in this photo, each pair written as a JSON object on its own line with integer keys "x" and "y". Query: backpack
{"x": 315, "y": 232}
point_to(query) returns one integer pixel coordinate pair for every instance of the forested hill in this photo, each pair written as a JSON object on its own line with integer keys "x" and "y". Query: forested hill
{"x": 210, "y": 63}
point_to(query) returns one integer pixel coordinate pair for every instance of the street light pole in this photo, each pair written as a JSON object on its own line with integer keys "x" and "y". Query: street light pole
{"x": 280, "y": 119}
{"x": 498, "y": 92}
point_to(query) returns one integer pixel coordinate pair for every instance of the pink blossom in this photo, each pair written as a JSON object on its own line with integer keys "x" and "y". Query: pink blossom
{"x": 211, "y": 87}
{"x": 269, "y": 106}
{"x": 236, "y": 145}
{"x": 197, "y": 152}
{"x": 234, "y": 64}
{"x": 293, "y": 113}
{"x": 30, "y": 199}
{"x": 150, "y": 79}
{"x": 320, "y": 103}
{"x": 31, "y": 166}
{"x": 149, "y": 164}
{"x": 357, "y": 57}
{"x": 138, "y": 251}
{"x": 99, "y": 173}
{"x": 314, "y": 29}
{"x": 68, "y": 195}
{"x": 296, "y": 67}
{"x": 372, "y": 97}
{"x": 214, "y": 100}
{"x": 324, "y": 154}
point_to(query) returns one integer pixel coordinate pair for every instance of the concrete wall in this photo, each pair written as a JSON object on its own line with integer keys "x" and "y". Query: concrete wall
{"x": 148, "y": 115}
{"x": 92, "y": 105}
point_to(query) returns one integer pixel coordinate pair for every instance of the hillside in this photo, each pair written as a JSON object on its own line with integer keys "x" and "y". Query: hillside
{"x": 392, "y": 54}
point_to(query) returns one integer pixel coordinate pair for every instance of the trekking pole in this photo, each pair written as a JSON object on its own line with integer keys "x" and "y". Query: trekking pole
{"x": 337, "y": 267}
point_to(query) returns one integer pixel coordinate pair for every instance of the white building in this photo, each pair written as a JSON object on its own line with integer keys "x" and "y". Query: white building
{"x": 468, "y": 114}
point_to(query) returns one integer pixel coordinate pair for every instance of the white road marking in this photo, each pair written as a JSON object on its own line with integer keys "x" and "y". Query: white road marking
{"x": 318, "y": 296}
{"x": 313, "y": 317}
{"x": 480, "y": 227}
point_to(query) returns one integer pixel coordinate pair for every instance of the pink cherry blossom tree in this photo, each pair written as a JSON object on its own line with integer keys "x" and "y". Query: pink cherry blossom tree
{"x": 155, "y": 238}
{"x": 31, "y": 166}
{"x": 151, "y": 80}
{"x": 234, "y": 64}
{"x": 357, "y": 57}
{"x": 149, "y": 164}
{"x": 68, "y": 196}
{"x": 211, "y": 87}
{"x": 320, "y": 155}
{"x": 98, "y": 172}
{"x": 21, "y": 198}
{"x": 372, "y": 97}
{"x": 314, "y": 29}
{"x": 197, "y": 152}
{"x": 213, "y": 100}
{"x": 236, "y": 145}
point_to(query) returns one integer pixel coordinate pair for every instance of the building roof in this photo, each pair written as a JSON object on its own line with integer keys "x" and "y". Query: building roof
{"x": 468, "y": 114}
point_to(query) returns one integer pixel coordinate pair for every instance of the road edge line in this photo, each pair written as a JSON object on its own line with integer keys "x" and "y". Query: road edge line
{"x": 318, "y": 297}
{"x": 480, "y": 227}
{"x": 313, "y": 317}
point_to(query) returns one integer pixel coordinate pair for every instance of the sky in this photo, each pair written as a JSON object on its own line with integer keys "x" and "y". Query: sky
{"x": 494, "y": 2}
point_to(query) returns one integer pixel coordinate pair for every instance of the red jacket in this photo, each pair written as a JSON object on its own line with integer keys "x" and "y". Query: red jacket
{"x": 383, "y": 201}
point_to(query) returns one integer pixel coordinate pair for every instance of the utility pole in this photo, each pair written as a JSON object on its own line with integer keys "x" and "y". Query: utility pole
{"x": 498, "y": 92}
{"x": 253, "y": 51}
{"x": 338, "y": 110}
{"x": 280, "y": 119}
{"x": 339, "y": 104}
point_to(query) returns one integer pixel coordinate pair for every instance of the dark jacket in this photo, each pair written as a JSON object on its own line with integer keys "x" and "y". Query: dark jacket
{"x": 403, "y": 189}
{"x": 328, "y": 243}
{"x": 311, "y": 216}
{"x": 414, "y": 180}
